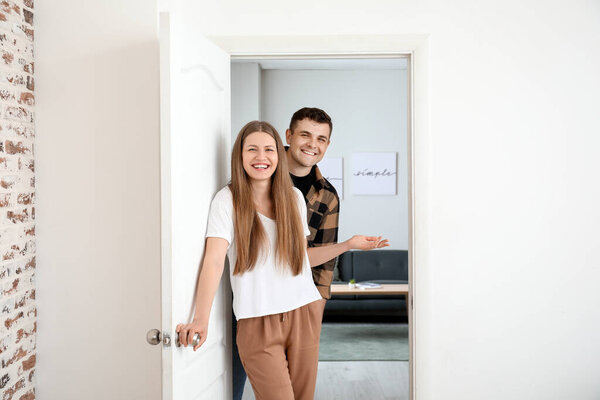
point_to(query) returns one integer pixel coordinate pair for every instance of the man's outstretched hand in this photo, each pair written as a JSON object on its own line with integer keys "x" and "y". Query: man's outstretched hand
{"x": 362, "y": 242}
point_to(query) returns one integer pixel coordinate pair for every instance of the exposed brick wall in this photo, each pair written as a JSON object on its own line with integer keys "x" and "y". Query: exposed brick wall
{"x": 17, "y": 202}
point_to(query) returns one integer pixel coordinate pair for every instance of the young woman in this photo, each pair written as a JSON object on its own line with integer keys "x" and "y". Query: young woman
{"x": 259, "y": 222}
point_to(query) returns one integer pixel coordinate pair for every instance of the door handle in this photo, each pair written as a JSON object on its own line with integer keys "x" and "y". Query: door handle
{"x": 155, "y": 336}
{"x": 195, "y": 340}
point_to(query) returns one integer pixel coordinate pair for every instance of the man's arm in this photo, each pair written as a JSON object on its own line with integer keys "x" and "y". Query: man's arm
{"x": 326, "y": 234}
{"x": 318, "y": 255}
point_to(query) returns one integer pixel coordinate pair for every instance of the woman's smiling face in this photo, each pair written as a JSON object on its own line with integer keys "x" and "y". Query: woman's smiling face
{"x": 259, "y": 156}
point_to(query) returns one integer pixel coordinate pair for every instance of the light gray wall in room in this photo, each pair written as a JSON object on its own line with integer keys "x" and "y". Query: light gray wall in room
{"x": 245, "y": 95}
{"x": 369, "y": 113}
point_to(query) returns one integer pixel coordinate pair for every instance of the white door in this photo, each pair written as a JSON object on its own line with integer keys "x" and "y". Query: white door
{"x": 195, "y": 153}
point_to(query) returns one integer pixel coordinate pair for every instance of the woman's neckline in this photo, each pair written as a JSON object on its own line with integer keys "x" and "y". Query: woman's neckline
{"x": 261, "y": 214}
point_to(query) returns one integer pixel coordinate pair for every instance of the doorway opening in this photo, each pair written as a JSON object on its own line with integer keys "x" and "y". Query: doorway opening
{"x": 368, "y": 337}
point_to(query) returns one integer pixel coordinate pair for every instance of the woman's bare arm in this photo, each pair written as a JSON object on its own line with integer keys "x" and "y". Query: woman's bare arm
{"x": 208, "y": 283}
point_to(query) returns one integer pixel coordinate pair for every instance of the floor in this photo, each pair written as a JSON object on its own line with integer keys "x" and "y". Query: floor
{"x": 358, "y": 380}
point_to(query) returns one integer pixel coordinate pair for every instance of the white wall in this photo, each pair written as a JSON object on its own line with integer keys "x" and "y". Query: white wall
{"x": 98, "y": 199}
{"x": 369, "y": 113}
{"x": 507, "y": 266}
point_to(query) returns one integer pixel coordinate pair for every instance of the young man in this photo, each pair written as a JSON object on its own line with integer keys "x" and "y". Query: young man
{"x": 308, "y": 138}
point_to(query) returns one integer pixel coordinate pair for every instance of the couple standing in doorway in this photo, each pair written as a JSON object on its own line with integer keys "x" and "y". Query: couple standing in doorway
{"x": 277, "y": 221}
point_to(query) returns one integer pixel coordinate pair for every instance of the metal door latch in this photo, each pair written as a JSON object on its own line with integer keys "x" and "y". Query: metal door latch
{"x": 155, "y": 336}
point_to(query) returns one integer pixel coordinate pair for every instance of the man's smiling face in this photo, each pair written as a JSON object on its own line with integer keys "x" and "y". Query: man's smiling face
{"x": 308, "y": 142}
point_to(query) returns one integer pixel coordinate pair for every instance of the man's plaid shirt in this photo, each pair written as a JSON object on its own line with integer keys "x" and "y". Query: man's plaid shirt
{"x": 323, "y": 205}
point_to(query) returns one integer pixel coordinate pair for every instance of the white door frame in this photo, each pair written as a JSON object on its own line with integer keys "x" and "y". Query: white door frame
{"x": 370, "y": 47}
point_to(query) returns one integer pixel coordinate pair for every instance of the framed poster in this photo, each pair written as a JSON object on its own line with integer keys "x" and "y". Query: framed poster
{"x": 374, "y": 173}
{"x": 332, "y": 169}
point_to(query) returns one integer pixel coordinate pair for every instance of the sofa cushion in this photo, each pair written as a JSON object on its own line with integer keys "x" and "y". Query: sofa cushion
{"x": 344, "y": 266}
{"x": 365, "y": 307}
{"x": 380, "y": 265}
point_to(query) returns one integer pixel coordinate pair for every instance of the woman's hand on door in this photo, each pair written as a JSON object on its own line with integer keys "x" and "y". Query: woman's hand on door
{"x": 186, "y": 333}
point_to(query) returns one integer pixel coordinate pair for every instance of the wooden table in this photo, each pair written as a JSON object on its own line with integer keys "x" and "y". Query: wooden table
{"x": 385, "y": 289}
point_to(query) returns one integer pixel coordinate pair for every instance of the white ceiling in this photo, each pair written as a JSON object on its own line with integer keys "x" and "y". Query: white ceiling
{"x": 339, "y": 64}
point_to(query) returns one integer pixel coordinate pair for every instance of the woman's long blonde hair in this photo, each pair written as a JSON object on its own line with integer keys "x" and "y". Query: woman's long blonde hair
{"x": 250, "y": 235}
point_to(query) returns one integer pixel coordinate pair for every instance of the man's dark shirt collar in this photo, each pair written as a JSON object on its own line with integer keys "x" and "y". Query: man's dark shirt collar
{"x": 304, "y": 183}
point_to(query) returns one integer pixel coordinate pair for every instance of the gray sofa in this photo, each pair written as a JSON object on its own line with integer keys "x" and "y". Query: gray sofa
{"x": 380, "y": 266}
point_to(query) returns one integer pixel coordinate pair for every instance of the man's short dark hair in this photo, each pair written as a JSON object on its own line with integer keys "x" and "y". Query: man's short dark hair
{"x": 312, "y": 113}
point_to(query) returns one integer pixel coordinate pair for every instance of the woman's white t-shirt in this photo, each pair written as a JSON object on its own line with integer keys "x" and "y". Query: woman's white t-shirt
{"x": 268, "y": 288}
